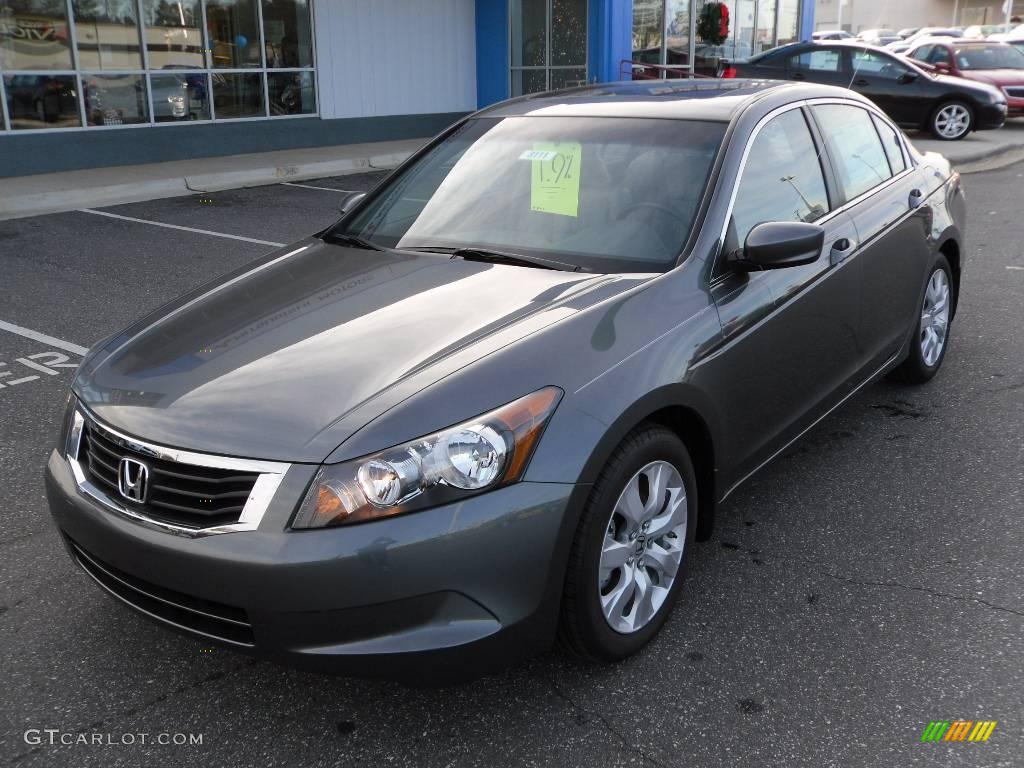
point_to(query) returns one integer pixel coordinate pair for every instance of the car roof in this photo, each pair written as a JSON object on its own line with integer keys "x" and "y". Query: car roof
{"x": 697, "y": 99}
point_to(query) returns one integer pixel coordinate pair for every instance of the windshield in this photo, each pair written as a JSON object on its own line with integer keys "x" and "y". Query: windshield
{"x": 989, "y": 57}
{"x": 600, "y": 194}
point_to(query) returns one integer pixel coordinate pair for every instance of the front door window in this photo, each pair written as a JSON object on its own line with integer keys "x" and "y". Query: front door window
{"x": 549, "y": 45}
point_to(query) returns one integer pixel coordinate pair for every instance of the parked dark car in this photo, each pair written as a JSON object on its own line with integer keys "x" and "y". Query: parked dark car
{"x": 912, "y": 96}
{"x": 503, "y": 395}
{"x": 994, "y": 63}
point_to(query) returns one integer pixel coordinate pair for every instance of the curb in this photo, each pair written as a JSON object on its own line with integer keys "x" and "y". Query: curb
{"x": 58, "y": 201}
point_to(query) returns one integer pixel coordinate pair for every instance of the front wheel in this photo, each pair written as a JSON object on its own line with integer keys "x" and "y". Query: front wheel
{"x": 952, "y": 120}
{"x": 627, "y": 562}
{"x": 928, "y": 347}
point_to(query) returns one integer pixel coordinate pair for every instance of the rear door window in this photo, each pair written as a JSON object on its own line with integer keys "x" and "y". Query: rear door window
{"x": 824, "y": 60}
{"x": 856, "y": 148}
{"x": 891, "y": 144}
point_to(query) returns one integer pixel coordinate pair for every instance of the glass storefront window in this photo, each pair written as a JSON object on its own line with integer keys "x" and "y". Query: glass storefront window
{"x": 107, "y": 34}
{"x": 677, "y": 32}
{"x": 548, "y": 44}
{"x": 764, "y": 29}
{"x": 41, "y": 101}
{"x": 789, "y": 22}
{"x": 286, "y": 34}
{"x": 648, "y": 28}
{"x": 238, "y": 95}
{"x": 529, "y": 33}
{"x": 133, "y": 62}
{"x": 569, "y": 34}
{"x": 34, "y": 35}
{"x": 174, "y": 34}
{"x": 115, "y": 99}
{"x": 749, "y": 28}
{"x": 234, "y": 32}
{"x": 291, "y": 93}
{"x": 180, "y": 97}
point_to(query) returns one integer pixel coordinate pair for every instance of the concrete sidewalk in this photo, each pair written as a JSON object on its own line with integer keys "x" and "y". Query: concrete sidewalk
{"x": 96, "y": 187}
{"x": 981, "y": 148}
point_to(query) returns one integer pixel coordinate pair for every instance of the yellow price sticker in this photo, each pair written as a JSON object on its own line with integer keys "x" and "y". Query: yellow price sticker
{"x": 555, "y": 179}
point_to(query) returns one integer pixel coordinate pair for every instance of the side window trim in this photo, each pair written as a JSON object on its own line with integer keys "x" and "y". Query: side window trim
{"x": 833, "y": 189}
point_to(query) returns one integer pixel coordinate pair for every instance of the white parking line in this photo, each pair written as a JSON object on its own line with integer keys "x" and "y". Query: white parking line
{"x": 49, "y": 341}
{"x": 184, "y": 229}
{"x": 1015, "y": 267}
{"x": 310, "y": 186}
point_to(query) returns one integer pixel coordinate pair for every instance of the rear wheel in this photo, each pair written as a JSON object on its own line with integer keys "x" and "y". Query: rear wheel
{"x": 928, "y": 347}
{"x": 952, "y": 120}
{"x": 627, "y": 562}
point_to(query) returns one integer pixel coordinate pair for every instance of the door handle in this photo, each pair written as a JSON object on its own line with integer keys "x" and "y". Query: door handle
{"x": 798, "y": 76}
{"x": 916, "y": 198}
{"x": 841, "y": 249}
{"x": 861, "y": 82}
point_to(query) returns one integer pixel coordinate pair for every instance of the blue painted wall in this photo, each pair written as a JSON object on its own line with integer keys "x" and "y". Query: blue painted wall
{"x": 492, "y": 51}
{"x": 611, "y": 38}
{"x": 807, "y": 20}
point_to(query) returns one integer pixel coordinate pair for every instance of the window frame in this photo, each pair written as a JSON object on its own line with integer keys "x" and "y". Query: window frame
{"x": 547, "y": 67}
{"x": 838, "y": 203}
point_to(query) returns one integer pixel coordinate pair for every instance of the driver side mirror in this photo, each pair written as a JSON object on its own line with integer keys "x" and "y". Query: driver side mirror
{"x": 909, "y": 77}
{"x": 943, "y": 67}
{"x": 350, "y": 201}
{"x": 779, "y": 244}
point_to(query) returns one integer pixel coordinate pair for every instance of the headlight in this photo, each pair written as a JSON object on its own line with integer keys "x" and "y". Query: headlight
{"x": 483, "y": 453}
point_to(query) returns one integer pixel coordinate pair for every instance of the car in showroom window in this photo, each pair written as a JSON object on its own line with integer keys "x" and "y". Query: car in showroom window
{"x": 502, "y": 398}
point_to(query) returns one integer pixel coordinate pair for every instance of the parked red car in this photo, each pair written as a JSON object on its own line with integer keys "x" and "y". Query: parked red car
{"x": 986, "y": 61}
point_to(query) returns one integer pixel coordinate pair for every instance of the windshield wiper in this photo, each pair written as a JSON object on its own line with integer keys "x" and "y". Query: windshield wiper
{"x": 340, "y": 238}
{"x": 490, "y": 256}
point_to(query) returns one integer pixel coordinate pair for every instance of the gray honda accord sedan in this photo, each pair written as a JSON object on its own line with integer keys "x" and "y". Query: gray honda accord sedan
{"x": 498, "y": 401}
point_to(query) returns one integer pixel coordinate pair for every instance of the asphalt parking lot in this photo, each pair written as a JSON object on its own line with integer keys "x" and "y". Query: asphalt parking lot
{"x": 866, "y": 583}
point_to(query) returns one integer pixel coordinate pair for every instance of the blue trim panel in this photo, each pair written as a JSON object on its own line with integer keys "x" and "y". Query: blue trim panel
{"x": 492, "y": 51}
{"x": 806, "y": 19}
{"x": 23, "y": 154}
{"x": 611, "y": 38}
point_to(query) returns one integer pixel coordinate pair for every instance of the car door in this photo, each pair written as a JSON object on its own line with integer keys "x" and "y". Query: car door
{"x": 888, "y": 82}
{"x": 790, "y": 345}
{"x": 893, "y": 223}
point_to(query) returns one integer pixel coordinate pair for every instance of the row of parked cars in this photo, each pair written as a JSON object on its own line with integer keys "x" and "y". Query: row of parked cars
{"x": 939, "y": 80}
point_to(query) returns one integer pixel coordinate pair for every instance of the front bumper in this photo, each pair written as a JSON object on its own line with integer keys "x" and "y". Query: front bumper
{"x": 427, "y": 597}
{"x": 990, "y": 116}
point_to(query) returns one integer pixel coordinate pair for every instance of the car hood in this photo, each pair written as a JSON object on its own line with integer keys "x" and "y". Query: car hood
{"x": 1000, "y": 77}
{"x": 267, "y": 361}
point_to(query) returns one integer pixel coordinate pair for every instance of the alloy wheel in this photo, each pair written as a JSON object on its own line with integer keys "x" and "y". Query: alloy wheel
{"x": 643, "y": 547}
{"x": 952, "y": 121}
{"x": 935, "y": 318}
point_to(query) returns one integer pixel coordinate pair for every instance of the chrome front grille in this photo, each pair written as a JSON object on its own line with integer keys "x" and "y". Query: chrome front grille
{"x": 187, "y": 493}
{"x": 197, "y": 497}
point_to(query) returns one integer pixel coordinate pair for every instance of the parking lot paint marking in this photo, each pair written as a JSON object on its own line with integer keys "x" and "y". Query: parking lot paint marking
{"x": 322, "y": 189}
{"x": 49, "y": 341}
{"x": 177, "y": 226}
{"x": 1011, "y": 267}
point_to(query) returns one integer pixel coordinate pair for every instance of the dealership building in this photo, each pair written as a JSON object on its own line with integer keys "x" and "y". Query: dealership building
{"x": 89, "y": 83}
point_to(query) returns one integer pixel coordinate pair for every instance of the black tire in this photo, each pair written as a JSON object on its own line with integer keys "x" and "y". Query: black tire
{"x": 583, "y": 628}
{"x": 915, "y": 369}
{"x": 951, "y": 104}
